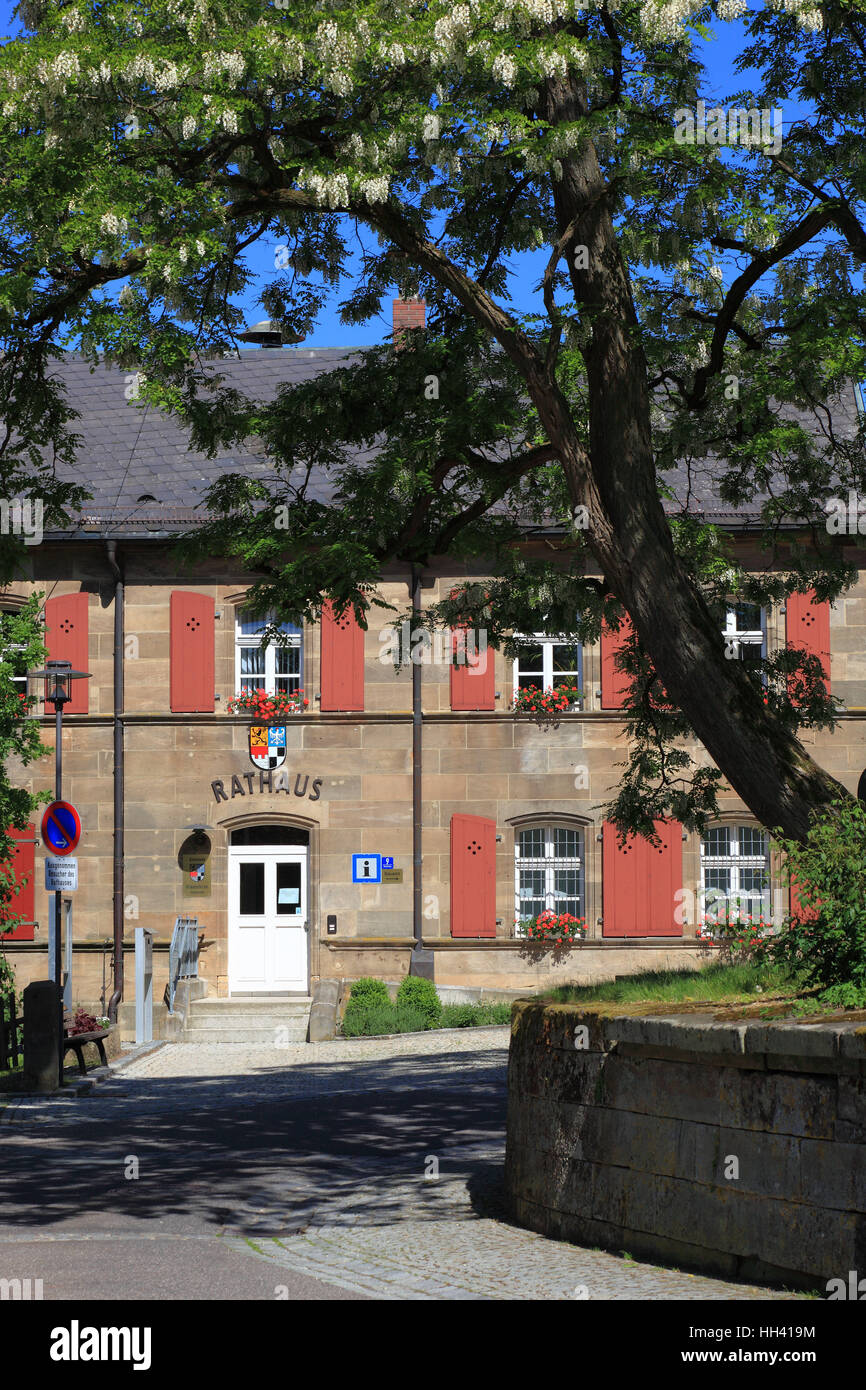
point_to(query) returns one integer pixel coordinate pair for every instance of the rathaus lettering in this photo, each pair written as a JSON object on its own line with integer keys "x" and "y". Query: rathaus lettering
{"x": 270, "y": 781}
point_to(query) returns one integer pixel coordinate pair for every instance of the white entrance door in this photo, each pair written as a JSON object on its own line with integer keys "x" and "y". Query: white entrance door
{"x": 268, "y": 921}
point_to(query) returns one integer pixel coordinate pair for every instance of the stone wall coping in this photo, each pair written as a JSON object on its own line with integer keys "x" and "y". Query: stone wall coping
{"x": 696, "y": 1032}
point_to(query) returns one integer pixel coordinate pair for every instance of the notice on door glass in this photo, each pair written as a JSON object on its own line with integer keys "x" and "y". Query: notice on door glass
{"x": 289, "y": 895}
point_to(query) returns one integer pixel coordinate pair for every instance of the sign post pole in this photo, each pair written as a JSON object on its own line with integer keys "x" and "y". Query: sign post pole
{"x": 58, "y": 894}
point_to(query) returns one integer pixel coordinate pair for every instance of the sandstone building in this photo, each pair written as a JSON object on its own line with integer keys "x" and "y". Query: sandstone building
{"x": 508, "y": 818}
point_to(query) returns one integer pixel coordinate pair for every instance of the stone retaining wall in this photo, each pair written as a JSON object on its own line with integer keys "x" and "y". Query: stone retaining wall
{"x": 737, "y": 1148}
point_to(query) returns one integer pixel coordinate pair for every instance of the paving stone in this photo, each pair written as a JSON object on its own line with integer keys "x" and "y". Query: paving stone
{"x": 399, "y": 1237}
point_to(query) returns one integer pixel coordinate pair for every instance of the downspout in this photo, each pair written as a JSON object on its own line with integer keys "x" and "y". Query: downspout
{"x": 421, "y": 960}
{"x": 111, "y": 551}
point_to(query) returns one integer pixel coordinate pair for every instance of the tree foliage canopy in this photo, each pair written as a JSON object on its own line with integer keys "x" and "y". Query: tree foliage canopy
{"x": 693, "y": 303}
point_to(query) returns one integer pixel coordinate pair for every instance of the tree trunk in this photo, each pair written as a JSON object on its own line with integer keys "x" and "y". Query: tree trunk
{"x": 630, "y": 536}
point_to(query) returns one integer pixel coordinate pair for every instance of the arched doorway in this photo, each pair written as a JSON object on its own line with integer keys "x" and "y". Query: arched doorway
{"x": 268, "y": 909}
{"x": 861, "y": 787}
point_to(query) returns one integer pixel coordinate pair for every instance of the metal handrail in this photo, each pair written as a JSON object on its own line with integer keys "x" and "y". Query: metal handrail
{"x": 183, "y": 955}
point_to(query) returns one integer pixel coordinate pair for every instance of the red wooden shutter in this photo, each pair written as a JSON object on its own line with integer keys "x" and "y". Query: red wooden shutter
{"x": 807, "y": 624}
{"x": 23, "y": 862}
{"x": 800, "y": 910}
{"x": 472, "y": 682}
{"x": 614, "y": 683}
{"x": 66, "y": 640}
{"x": 473, "y": 876}
{"x": 342, "y": 676}
{"x": 192, "y": 653}
{"x": 641, "y": 880}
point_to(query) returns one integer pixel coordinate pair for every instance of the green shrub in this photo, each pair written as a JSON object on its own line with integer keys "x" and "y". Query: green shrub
{"x": 382, "y": 1018}
{"x": 458, "y": 1015}
{"x": 826, "y": 944}
{"x": 474, "y": 1015}
{"x": 368, "y": 991}
{"x": 420, "y": 994}
{"x": 493, "y": 1013}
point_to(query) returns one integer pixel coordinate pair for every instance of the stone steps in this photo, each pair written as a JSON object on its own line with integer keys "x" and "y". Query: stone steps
{"x": 274, "y": 1021}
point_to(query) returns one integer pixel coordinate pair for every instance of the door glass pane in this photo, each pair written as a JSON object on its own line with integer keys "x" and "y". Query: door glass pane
{"x": 252, "y": 894}
{"x": 270, "y": 835}
{"x": 289, "y": 890}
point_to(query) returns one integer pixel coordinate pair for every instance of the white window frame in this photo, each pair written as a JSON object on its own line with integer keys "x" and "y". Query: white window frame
{"x": 550, "y": 862}
{"x": 733, "y": 863}
{"x": 547, "y": 643}
{"x": 267, "y": 680}
{"x": 21, "y": 681}
{"x": 736, "y": 637}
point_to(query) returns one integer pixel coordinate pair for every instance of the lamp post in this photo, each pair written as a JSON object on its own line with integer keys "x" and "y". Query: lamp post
{"x": 59, "y": 676}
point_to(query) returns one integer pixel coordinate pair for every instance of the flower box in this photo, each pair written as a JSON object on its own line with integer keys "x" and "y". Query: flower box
{"x": 559, "y": 699}
{"x": 555, "y": 928}
{"x": 268, "y": 709}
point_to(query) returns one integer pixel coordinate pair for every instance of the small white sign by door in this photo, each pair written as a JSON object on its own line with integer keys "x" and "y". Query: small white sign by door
{"x": 61, "y": 875}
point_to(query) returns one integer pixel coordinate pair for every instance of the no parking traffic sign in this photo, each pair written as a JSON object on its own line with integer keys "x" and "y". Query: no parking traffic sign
{"x": 61, "y": 827}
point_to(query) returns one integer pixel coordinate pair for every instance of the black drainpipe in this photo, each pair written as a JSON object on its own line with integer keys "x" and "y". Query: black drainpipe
{"x": 111, "y": 550}
{"x": 421, "y": 960}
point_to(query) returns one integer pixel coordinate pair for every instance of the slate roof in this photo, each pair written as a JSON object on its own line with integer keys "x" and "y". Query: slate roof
{"x": 129, "y": 451}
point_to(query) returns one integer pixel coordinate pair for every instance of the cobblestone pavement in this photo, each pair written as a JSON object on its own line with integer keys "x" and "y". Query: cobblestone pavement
{"x": 397, "y": 1230}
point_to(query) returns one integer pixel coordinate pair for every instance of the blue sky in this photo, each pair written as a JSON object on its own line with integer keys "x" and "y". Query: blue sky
{"x": 718, "y": 57}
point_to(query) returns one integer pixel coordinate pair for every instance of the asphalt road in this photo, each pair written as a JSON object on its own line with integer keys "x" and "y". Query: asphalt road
{"x": 362, "y": 1169}
{"x": 222, "y": 1162}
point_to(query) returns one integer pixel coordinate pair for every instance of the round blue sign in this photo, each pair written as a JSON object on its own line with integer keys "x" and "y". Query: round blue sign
{"x": 61, "y": 827}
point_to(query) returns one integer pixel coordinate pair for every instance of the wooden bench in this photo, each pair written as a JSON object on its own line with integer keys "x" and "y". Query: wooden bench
{"x": 77, "y": 1041}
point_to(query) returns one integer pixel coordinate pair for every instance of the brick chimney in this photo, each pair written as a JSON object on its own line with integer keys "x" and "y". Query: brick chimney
{"x": 408, "y": 313}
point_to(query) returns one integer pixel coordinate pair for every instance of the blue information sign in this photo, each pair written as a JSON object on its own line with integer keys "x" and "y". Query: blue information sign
{"x": 61, "y": 827}
{"x": 366, "y": 868}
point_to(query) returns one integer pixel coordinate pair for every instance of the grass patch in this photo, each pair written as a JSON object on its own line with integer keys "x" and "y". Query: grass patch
{"x": 716, "y": 983}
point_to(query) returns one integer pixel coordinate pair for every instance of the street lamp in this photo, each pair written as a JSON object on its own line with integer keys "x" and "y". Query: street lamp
{"x": 59, "y": 676}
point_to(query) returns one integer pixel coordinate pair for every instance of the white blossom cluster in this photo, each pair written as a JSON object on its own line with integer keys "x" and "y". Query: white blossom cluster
{"x": 375, "y": 190}
{"x": 505, "y": 69}
{"x": 431, "y": 127}
{"x": 452, "y": 30}
{"x": 55, "y": 75}
{"x": 229, "y": 121}
{"x": 732, "y": 9}
{"x": 805, "y": 11}
{"x": 111, "y": 223}
{"x": 284, "y": 56}
{"x": 169, "y": 78}
{"x": 663, "y": 20}
{"x": 232, "y": 65}
{"x": 188, "y": 127}
{"x": 73, "y": 21}
{"x": 140, "y": 67}
{"x": 337, "y": 48}
{"x": 330, "y": 190}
